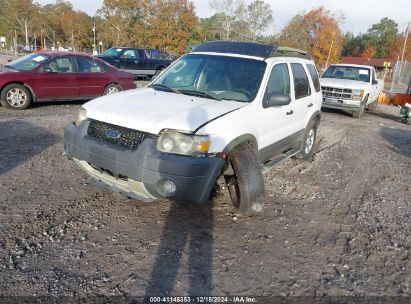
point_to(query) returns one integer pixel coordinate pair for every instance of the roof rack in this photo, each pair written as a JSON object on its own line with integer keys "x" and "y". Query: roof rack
{"x": 290, "y": 52}
{"x": 250, "y": 49}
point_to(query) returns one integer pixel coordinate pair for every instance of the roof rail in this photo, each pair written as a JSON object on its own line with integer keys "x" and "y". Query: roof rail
{"x": 250, "y": 49}
{"x": 290, "y": 52}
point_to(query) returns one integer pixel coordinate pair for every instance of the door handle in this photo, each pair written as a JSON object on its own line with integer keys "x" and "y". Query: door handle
{"x": 310, "y": 105}
{"x": 289, "y": 112}
{"x": 136, "y": 61}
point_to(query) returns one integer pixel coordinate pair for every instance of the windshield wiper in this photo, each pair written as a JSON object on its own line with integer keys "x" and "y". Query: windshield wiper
{"x": 199, "y": 94}
{"x": 163, "y": 87}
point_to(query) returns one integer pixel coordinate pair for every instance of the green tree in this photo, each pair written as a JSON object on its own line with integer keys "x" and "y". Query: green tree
{"x": 380, "y": 36}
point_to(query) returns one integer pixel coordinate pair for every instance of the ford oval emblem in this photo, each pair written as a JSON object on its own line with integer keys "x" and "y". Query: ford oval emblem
{"x": 110, "y": 133}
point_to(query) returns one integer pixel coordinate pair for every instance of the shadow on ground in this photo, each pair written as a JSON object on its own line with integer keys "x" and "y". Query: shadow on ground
{"x": 20, "y": 141}
{"x": 400, "y": 140}
{"x": 188, "y": 229}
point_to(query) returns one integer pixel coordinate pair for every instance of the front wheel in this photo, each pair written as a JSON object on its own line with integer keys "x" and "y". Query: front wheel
{"x": 112, "y": 89}
{"x": 358, "y": 114}
{"x": 373, "y": 106}
{"x": 16, "y": 97}
{"x": 246, "y": 185}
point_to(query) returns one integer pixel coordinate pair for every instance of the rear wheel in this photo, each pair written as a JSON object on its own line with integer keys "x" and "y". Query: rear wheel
{"x": 16, "y": 97}
{"x": 308, "y": 142}
{"x": 112, "y": 89}
{"x": 246, "y": 185}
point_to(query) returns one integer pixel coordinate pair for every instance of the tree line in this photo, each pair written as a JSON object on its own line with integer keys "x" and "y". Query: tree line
{"x": 173, "y": 25}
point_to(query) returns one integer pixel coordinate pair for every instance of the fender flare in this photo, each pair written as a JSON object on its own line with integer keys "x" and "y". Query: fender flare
{"x": 239, "y": 140}
{"x": 316, "y": 116}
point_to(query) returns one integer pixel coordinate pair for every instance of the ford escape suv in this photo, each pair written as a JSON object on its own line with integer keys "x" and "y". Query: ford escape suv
{"x": 231, "y": 109}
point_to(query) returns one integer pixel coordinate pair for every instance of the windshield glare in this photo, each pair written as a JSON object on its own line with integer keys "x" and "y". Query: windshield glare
{"x": 28, "y": 62}
{"x": 112, "y": 52}
{"x": 348, "y": 72}
{"x": 222, "y": 77}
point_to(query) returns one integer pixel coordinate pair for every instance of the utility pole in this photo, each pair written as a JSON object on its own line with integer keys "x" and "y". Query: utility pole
{"x": 329, "y": 53}
{"x": 94, "y": 45}
{"x": 407, "y": 31}
{"x": 27, "y": 35}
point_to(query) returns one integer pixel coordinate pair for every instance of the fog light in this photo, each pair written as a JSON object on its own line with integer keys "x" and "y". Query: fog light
{"x": 166, "y": 187}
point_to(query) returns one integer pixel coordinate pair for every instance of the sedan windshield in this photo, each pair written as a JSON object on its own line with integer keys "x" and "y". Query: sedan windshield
{"x": 347, "y": 72}
{"x": 113, "y": 52}
{"x": 28, "y": 62}
{"x": 213, "y": 77}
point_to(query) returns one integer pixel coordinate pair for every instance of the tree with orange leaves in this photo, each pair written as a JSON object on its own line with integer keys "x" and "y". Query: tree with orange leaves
{"x": 368, "y": 52}
{"x": 316, "y": 31}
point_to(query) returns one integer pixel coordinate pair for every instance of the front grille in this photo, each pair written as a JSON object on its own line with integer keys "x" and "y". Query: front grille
{"x": 337, "y": 92}
{"x": 127, "y": 138}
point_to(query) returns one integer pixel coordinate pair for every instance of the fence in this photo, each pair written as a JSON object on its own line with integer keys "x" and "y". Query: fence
{"x": 401, "y": 78}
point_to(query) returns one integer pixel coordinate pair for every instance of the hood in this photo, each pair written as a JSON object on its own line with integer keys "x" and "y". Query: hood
{"x": 151, "y": 111}
{"x": 343, "y": 83}
{"x": 4, "y": 71}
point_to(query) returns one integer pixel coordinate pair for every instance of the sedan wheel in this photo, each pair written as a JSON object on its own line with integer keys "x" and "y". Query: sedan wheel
{"x": 112, "y": 89}
{"x": 15, "y": 96}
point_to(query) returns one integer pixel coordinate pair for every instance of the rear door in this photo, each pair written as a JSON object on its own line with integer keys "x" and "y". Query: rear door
{"x": 91, "y": 77}
{"x": 303, "y": 99}
{"x": 56, "y": 79}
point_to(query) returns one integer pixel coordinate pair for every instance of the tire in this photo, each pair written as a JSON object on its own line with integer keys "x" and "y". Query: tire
{"x": 16, "y": 97}
{"x": 112, "y": 89}
{"x": 246, "y": 186}
{"x": 373, "y": 106}
{"x": 308, "y": 143}
{"x": 158, "y": 72}
{"x": 358, "y": 114}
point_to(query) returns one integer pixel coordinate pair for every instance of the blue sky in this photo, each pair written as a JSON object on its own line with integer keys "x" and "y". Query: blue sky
{"x": 359, "y": 14}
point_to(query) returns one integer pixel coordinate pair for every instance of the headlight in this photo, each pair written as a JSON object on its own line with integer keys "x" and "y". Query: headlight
{"x": 171, "y": 141}
{"x": 81, "y": 115}
{"x": 359, "y": 93}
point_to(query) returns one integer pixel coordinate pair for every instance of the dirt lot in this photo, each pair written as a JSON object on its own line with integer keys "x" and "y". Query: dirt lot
{"x": 337, "y": 226}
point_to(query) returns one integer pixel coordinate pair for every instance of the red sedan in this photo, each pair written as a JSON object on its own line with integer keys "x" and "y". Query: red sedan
{"x": 54, "y": 76}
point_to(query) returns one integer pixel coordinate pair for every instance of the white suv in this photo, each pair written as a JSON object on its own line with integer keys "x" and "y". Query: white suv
{"x": 229, "y": 108}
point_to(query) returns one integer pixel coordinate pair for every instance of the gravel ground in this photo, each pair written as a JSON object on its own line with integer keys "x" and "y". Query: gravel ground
{"x": 338, "y": 226}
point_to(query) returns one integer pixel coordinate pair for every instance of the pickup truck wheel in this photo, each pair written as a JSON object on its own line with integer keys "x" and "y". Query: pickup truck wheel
{"x": 158, "y": 72}
{"x": 112, "y": 89}
{"x": 308, "y": 142}
{"x": 16, "y": 97}
{"x": 358, "y": 114}
{"x": 246, "y": 186}
{"x": 373, "y": 106}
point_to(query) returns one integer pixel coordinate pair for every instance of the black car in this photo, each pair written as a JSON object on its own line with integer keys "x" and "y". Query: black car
{"x": 135, "y": 61}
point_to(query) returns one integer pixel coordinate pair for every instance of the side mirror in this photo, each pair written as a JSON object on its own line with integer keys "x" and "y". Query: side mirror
{"x": 9, "y": 60}
{"x": 277, "y": 100}
{"x": 375, "y": 82}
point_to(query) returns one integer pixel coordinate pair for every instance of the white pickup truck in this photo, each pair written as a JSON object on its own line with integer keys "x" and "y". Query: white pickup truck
{"x": 351, "y": 87}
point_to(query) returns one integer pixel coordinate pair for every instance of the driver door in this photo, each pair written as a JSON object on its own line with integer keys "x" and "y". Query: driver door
{"x": 56, "y": 79}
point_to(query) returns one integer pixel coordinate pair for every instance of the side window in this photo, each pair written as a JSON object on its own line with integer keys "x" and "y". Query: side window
{"x": 279, "y": 81}
{"x": 86, "y": 65}
{"x": 373, "y": 75}
{"x": 140, "y": 54}
{"x": 314, "y": 76}
{"x": 129, "y": 54}
{"x": 59, "y": 65}
{"x": 301, "y": 84}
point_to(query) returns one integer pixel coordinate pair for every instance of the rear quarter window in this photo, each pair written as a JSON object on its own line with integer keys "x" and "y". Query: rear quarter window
{"x": 314, "y": 76}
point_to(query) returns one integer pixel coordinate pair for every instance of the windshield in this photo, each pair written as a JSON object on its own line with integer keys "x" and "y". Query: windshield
{"x": 112, "y": 52}
{"x": 28, "y": 62}
{"x": 347, "y": 72}
{"x": 216, "y": 77}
